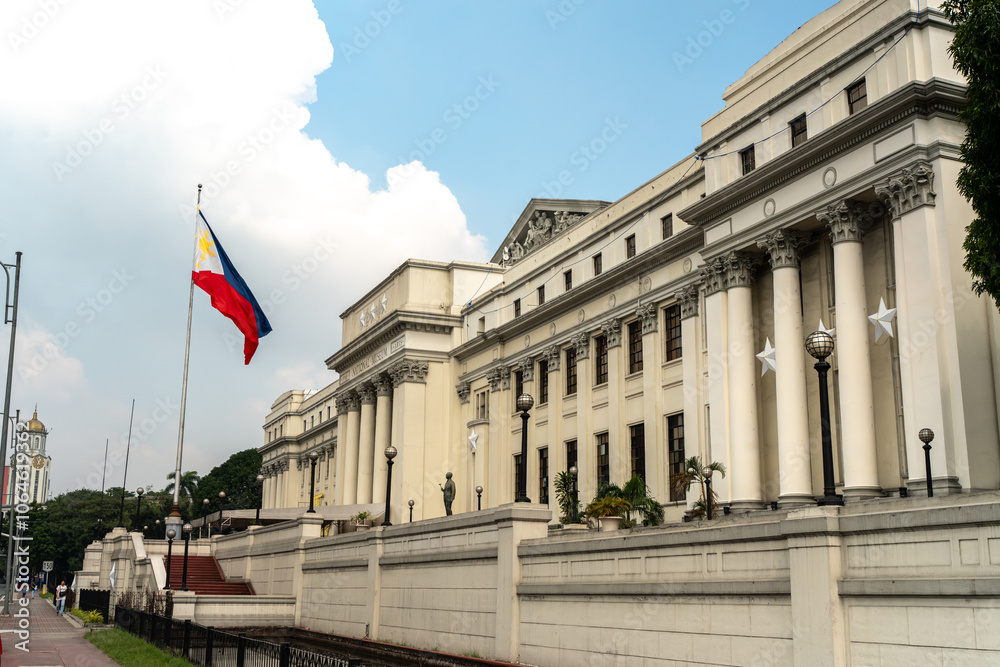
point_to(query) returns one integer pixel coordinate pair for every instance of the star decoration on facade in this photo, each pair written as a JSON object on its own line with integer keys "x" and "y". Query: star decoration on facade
{"x": 384, "y": 303}
{"x": 373, "y": 310}
{"x": 472, "y": 441}
{"x": 883, "y": 320}
{"x": 823, "y": 328}
{"x": 363, "y": 318}
{"x": 767, "y": 359}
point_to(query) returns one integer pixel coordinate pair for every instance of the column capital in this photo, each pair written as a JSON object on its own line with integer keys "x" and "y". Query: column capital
{"x": 648, "y": 314}
{"x": 739, "y": 269}
{"x": 493, "y": 377}
{"x": 713, "y": 275}
{"x": 527, "y": 368}
{"x": 910, "y": 188}
{"x": 782, "y": 248}
{"x": 409, "y": 370}
{"x": 553, "y": 355}
{"x": 351, "y": 403}
{"x": 383, "y": 385}
{"x": 463, "y": 389}
{"x": 342, "y": 401}
{"x": 367, "y": 393}
{"x": 848, "y": 220}
{"x": 505, "y": 377}
{"x": 581, "y": 342}
{"x": 612, "y": 330}
{"x": 688, "y": 300}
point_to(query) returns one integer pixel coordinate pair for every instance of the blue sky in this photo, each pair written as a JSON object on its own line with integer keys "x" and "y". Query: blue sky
{"x": 334, "y": 142}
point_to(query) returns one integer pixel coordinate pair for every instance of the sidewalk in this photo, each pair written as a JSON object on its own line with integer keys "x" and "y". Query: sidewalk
{"x": 54, "y": 641}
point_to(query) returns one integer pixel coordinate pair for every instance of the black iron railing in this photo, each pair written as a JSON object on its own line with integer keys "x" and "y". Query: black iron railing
{"x": 214, "y": 648}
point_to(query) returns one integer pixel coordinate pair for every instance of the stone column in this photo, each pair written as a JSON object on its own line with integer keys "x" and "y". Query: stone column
{"x": 794, "y": 467}
{"x": 586, "y": 478}
{"x": 343, "y": 401}
{"x": 350, "y": 478}
{"x": 926, "y": 322}
{"x": 500, "y": 470}
{"x": 652, "y": 359}
{"x": 690, "y": 351}
{"x": 743, "y": 435}
{"x": 612, "y": 328}
{"x": 857, "y": 411}
{"x": 410, "y": 380}
{"x": 383, "y": 425}
{"x": 717, "y": 334}
{"x": 366, "y": 447}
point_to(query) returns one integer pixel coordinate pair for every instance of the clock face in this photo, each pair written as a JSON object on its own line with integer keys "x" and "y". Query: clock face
{"x": 38, "y": 461}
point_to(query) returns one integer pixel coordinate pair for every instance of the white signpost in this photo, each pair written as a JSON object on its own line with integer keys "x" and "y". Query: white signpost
{"x": 46, "y": 566}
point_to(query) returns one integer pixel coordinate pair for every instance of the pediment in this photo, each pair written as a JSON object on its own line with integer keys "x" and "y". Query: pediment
{"x": 541, "y": 221}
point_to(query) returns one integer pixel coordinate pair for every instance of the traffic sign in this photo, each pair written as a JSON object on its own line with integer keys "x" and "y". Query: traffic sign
{"x": 46, "y": 566}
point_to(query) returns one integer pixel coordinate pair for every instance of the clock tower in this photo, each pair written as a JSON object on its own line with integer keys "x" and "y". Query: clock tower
{"x": 38, "y": 461}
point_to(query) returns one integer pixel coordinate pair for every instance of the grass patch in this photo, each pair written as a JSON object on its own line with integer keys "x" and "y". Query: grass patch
{"x": 125, "y": 649}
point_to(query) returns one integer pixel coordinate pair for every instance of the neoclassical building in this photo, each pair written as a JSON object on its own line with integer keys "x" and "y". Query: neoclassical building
{"x": 670, "y": 323}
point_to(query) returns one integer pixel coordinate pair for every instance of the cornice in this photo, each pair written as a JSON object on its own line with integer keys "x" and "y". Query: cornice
{"x": 924, "y": 99}
{"x": 677, "y": 246}
{"x": 388, "y": 329}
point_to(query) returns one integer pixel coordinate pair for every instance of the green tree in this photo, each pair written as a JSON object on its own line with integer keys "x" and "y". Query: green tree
{"x": 694, "y": 472}
{"x": 189, "y": 482}
{"x": 237, "y": 477}
{"x": 639, "y": 498}
{"x": 974, "y": 49}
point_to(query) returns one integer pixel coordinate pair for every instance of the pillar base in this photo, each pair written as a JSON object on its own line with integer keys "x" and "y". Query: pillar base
{"x": 943, "y": 486}
{"x": 737, "y": 506}
{"x": 862, "y": 493}
{"x": 796, "y": 500}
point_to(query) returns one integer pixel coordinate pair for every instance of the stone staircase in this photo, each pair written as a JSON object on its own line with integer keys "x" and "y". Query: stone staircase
{"x": 205, "y": 577}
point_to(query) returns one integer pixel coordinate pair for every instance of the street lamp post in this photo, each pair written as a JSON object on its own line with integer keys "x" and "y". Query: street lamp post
{"x": 138, "y": 503}
{"x": 260, "y": 498}
{"x": 390, "y": 454}
{"x": 411, "y": 510}
{"x": 156, "y": 531}
{"x": 926, "y": 435}
{"x": 479, "y": 499}
{"x": 819, "y": 345}
{"x": 171, "y": 534}
{"x": 222, "y": 508}
{"x": 187, "y": 528}
{"x": 706, "y": 474}
{"x": 524, "y": 404}
{"x": 204, "y": 504}
{"x": 312, "y": 481}
{"x": 574, "y": 471}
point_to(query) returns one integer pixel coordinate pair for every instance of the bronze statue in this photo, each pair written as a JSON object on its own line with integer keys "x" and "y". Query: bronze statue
{"x": 449, "y": 493}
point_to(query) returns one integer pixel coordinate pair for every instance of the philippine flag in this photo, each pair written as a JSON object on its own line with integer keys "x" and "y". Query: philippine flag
{"x": 214, "y": 273}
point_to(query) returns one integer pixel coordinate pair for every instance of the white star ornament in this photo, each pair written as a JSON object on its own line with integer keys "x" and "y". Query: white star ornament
{"x": 883, "y": 320}
{"x": 767, "y": 359}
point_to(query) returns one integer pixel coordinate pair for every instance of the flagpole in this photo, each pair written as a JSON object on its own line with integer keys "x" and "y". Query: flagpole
{"x": 175, "y": 510}
{"x": 128, "y": 447}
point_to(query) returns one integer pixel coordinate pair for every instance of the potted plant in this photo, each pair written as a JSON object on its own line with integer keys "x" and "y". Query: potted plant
{"x": 608, "y": 511}
{"x": 570, "y": 512}
{"x": 362, "y": 520}
{"x": 643, "y": 507}
{"x": 694, "y": 472}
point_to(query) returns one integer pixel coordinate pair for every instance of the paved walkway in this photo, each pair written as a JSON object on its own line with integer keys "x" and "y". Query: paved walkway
{"x": 54, "y": 641}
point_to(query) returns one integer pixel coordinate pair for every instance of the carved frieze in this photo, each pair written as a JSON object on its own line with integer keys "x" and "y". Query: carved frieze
{"x": 649, "y": 317}
{"x": 909, "y": 189}
{"x": 581, "y": 342}
{"x": 612, "y": 330}
{"x": 782, "y": 248}
{"x": 463, "y": 389}
{"x": 688, "y": 300}
{"x": 542, "y": 227}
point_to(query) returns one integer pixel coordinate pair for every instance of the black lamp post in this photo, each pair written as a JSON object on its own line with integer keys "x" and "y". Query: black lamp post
{"x": 157, "y": 530}
{"x": 410, "y": 503}
{"x": 138, "y": 504}
{"x": 819, "y": 345}
{"x": 260, "y": 498}
{"x": 390, "y": 454}
{"x": 171, "y": 534}
{"x": 222, "y": 507}
{"x": 524, "y": 404}
{"x": 706, "y": 474}
{"x": 574, "y": 471}
{"x": 926, "y": 435}
{"x": 479, "y": 498}
{"x": 187, "y": 528}
{"x": 312, "y": 481}
{"x": 204, "y": 504}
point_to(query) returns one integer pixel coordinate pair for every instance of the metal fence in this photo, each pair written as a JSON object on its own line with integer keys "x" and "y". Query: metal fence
{"x": 92, "y": 599}
{"x": 213, "y": 648}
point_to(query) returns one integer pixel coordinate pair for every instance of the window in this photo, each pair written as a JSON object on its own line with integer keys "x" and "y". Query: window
{"x": 630, "y": 247}
{"x": 570, "y": 371}
{"x": 568, "y": 278}
{"x": 598, "y": 264}
{"x": 748, "y": 160}
{"x": 600, "y": 359}
{"x": 517, "y": 475}
{"x": 305, "y": 425}
{"x": 635, "y": 347}
{"x": 603, "y": 461}
{"x": 312, "y": 422}
{"x": 571, "y": 455}
{"x": 543, "y": 476}
{"x": 517, "y": 308}
{"x": 667, "y": 226}
{"x": 675, "y": 452}
{"x": 281, "y": 430}
{"x": 483, "y": 404}
{"x": 328, "y": 412}
{"x": 482, "y": 327}
{"x": 541, "y": 295}
{"x": 672, "y": 315}
{"x": 857, "y": 97}
{"x": 518, "y": 385}
{"x": 637, "y": 437}
{"x": 798, "y": 130}
{"x": 543, "y": 381}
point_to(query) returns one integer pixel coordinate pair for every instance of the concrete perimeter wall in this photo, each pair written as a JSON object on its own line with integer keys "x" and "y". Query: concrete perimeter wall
{"x": 885, "y": 582}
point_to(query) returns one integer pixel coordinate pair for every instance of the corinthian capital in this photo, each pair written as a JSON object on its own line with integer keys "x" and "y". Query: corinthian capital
{"x": 612, "y": 330}
{"x": 713, "y": 275}
{"x": 848, "y": 221}
{"x": 739, "y": 269}
{"x": 581, "y": 342}
{"x": 782, "y": 248}
{"x": 909, "y": 189}
{"x": 649, "y": 317}
{"x": 688, "y": 300}
{"x": 552, "y": 354}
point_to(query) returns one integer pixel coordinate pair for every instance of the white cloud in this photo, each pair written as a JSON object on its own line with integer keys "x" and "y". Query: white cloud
{"x": 110, "y": 112}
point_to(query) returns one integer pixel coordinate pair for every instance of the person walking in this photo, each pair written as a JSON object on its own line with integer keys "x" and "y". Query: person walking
{"x": 61, "y": 597}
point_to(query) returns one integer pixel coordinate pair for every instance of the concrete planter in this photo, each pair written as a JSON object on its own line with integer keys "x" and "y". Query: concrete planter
{"x": 610, "y": 523}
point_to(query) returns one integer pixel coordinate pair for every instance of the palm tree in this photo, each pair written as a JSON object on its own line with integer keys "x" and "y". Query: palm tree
{"x": 639, "y": 498}
{"x": 693, "y": 472}
{"x": 189, "y": 482}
